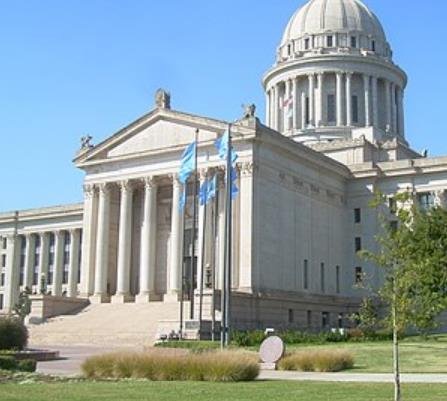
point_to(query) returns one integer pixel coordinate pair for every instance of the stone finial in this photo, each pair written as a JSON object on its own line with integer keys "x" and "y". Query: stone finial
{"x": 162, "y": 99}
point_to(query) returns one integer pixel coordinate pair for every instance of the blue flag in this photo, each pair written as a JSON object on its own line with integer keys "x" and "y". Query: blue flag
{"x": 211, "y": 193}
{"x": 182, "y": 201}
{"x": 203, "y": 192}
{"x": 188, "y": 162}
{"x": 234, "y": 188}
{"x": 221, "y": 145}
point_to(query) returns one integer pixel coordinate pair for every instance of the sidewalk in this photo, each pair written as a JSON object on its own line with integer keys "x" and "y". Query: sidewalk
{"x": 352, "y": 377}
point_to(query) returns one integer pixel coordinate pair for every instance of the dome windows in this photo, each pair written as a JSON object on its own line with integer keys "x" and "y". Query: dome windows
{"x": 354, "y": 42}
{"x": 330, "y": 41}
{"x": 306, "y": 44}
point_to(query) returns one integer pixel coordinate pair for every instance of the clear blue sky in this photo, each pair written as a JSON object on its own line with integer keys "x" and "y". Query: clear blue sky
{"x": 70, "y": 67}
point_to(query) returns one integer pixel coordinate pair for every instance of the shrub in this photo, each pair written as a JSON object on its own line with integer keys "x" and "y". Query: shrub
{"x": 318, "y": 361}
{"x": 13, "y": 334}
{"x": 8, "y": 363}
{"x": 27, "y": 365}
{"x": 248, "y": 338}
{"x": 160, "y": 365}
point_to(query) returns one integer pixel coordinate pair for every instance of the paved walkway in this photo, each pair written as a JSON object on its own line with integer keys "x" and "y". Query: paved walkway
{"x": 72, "y": 358}
{"x": 352, "y": 377}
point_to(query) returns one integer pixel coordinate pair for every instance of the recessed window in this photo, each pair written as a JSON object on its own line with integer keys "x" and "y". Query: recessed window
{"x": 291, "y": 316}
{"x": 358, "y": 244}
{"x": 325, "y": 320}
{"x": 4, "y": 243}
{"x": 355, "y": 108}
{"x": 330, "y": 41}
{"x": 358, "y": 275}
{"x": 307, "y": 109}
{"x": 289, "y": 50}
{"x": 373, "y": 45}
{"x": 331, "y": 108}
{"x": 353, "y": 41}
{"x": 426, "y": 201}
{"x": 306, "y": 275}
{"x": 2, "y": 279}
{"x": 3, "y": 261}
{"x": 357, "y": 215}
{"x": 392, "y": 205}
{"x": 306, "y": 43}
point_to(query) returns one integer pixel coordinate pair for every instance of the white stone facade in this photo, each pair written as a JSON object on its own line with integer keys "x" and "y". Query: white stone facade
{"x": 334, "y": 133}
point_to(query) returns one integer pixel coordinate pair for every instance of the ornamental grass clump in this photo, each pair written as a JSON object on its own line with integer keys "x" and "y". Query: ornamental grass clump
{"x": 166, "y": 365}
{"x": 318, "y": 361}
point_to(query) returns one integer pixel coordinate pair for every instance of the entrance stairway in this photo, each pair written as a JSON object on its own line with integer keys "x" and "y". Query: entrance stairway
{"x": 125, "y": 325}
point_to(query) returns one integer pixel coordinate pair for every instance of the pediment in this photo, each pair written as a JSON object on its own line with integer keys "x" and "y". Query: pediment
{"x": 159, "y": 131}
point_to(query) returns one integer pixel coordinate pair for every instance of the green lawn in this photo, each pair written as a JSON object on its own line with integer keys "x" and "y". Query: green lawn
{"x": 417, "y": 356}
{"x": 259, "y": 391}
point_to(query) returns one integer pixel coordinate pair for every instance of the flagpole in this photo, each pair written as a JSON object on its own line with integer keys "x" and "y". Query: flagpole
{"x": 193, "y": 236}
{"x": 228, "y": 231}
{"x": 213, "y": 270}
{"x": 202, "y": 267}
{"x": 182, "y": 280}
{"x": 223, "y": 276}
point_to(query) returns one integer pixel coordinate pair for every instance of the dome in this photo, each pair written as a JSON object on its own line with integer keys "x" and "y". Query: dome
{"x": 320, "y": 17}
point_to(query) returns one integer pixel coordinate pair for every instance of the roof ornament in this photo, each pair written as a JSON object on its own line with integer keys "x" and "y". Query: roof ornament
{"x": 162, "y": 99}
{"x": 249, "y": 110}
{"x": 86, "y": 142}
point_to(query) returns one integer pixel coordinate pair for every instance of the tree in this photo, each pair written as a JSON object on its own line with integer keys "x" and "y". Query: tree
{"x": 23, "y": 306}
{"x": 413, "y": 253}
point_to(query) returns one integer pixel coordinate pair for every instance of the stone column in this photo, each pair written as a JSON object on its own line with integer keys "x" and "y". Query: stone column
{"x": 275, "y": 108}
{"x": 388, "y": 122}
{"x": 124, "y": 244}
{"x": 393, "y": 108}
{"x": 148, "y": 242}
{"x": 102, "y": 246}
{"x": 339, "y": 85}
{"x": 320, "y": 100}
{"x": 221, "y": 234}
{"x": 58, "y": 265}
{"x": 176, "y": 257}
{"x": 73, "y": 264}
{"x": 89, "y": 227}
{"x": 303, "y": 110}
{"x": 246, "y": 278}
{"x": 30, "y": 251}
{"x": 12, "y": 272}
{"x": 349, "y": 99}
{"x": 367, "y": 101}
{"x": 201, "y": 243}
{"x": 43, "y": 259}
{"x": 311, "y": 99}
{"x": 295, "y": 103}
{"x": 375, "y": 102}
{"x": 400, "y": 111}
{"x": 268, "y": 113}
{"x": 287, "y": 93}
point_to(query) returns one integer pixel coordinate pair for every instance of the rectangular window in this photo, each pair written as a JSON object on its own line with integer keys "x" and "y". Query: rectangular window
{"x": 51, "y": 259}
{"x": 426, "y": 201}
{"x": 330, "y": 41}
{"x": 341, "y": 317}
{"x": 66, "y": 257}
{"x": 358, "y": 244}
{"x": 306, "y": 43}
{"x": 358, "y": 275}
{"x": 331, "y": 118}
{"x": 65, "y": 275}
{"x": 355, "y": 109}
{"x": 373, "y": 45}
{"x": 353, "y": 41}
{"x": 291, "y": 316}
{"x": 357, "y": 216}
{"x": 322, "y": 278}
{"x": 3, "y": 261}
{"x": 392, "y": 205}
{"x": 306, "y": 275}
{"x": 325, "y": 320}
{"x": 4, "y": 243}
{"x": 337, "y": 279}
{"x": 1, "y": 301}
{"x": 2, "y": 279}
{"x": 36, "y": 275}
{"x": 309, "y": 319}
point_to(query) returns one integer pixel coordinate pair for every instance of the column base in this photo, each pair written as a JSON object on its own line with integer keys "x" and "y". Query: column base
{"x": 171, "y": 297}
{"x": 146, "y": 298}
{"x": 99, "y": 299}
{"x": 122, "y": 298}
